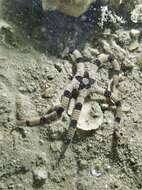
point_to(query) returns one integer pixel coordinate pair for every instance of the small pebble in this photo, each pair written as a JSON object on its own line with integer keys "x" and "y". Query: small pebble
{"x": 11, "y": 186}
{"x": 48, "y": 93}
{"x": 134, "y": 46}
{"x": 40, "y": 175}
{"x": 22, "y": 89}
{"x": 107, "y": 168}
{"x": 19, "y": 186}
{"x": 41, "y": 158}
{"x": 41, "y": 141}
{"x": 126, "y": 108}
{"x": 55, "y": 146}
{"x": 135, "y": 33}
{"x": 83, "y": 164}
{"x": 95, "y": 173}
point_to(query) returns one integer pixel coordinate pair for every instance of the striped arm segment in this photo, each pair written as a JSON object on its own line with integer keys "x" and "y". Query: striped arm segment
{"x": 47, "y": 119}
{"x": 116, "y": 72}
{"x": 73, "y": 122}
{"x": 112, "y": 96}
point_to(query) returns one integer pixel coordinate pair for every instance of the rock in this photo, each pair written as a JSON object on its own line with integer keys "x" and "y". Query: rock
{"x": 73, "y": 8}
{"x": 139, "y": 63}
{"x": 126, "y": 108}
{"x": 31, "y": 87}
{"x": 107, "y": 168}
{"x": 136, "y": 14}
{"x": 41, "y": 158}
{"x": 90, "y": 52}
{"x": 11, "y": 186}
{"x": 40, "y": 176}
{"x": 135, "y": 33}
{"x": 91, "y": 117}
{"x": 48, "y": 92}
{"x": 5, "y": 99}
{"x": 135, "y": 117}
{"x": 22, "y": 89}
{"x": 103, "y": 57}
{"x": 58, "y": 67}
{"x": 87, "y": 53}
{"x": 56, "y": 176}
{"x": 83, "y": 164}
{"x": 124, "y": 37}
{"x": 7, "y": 106}
{"x": 6, "y": 33}
{"x": 115, "y": 185}
{"x": 55, "y": 146}
{"x": 19, "y": 187}
{"x": 134, "y": 45}
{"x": 93, "y": 51}
{"x": 95, "y": 173}
{"x": 57, "y": 130}
{"x": 41, "y": 142}
{"x": 104, "y": 106}
{"x": 25, "y": 108}
{"x": 49, "y": 73}
{"x": 24, "y": 168}
{"x": 76, "y": 54}
{"x": 81, "y": 186}
{"x": 5, "y": 25}
{"x": 24, "y": 131}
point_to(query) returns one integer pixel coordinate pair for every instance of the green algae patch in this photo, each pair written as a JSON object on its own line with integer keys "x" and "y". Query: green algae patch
{"x": 139, "y": 63}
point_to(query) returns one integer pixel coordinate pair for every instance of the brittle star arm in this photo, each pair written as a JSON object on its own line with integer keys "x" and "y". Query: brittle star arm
{"x": 115, "y": 83}
{"x": 116, "y": 72}
{"x": 73, "y": 122}
{"x": 104, "y": 58}
{"x": 113, "y": 97}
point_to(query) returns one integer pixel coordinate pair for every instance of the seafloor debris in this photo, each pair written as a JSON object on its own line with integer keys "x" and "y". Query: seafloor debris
{"x": 40, "y": 176}
{"x": 136, "y": 14}
{"x": 95, "y": 173}
{"x": 91, "y": 117}
{"x": 5, "y": 25}
{"x": 6, "y": 33}
{"x": 134, "y": 45}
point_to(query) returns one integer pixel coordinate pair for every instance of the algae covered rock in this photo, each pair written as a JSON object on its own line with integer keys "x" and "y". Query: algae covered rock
{"x": 139, "y": 63}
{"x": 70, "y": 7}
{"x": 136, "y": 15}
{"x": 77, "y": 7}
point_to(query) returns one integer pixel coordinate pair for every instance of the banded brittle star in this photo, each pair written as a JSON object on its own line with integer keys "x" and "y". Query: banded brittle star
{"x": 82, "y": 85}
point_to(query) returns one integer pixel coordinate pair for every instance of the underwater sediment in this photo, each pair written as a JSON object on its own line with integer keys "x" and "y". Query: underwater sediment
{"x": 34, "y": 71}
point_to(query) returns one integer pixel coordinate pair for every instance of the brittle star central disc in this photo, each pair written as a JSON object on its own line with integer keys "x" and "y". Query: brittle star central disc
{"x": 85, "y": 81}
